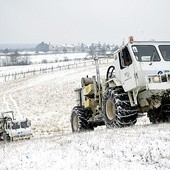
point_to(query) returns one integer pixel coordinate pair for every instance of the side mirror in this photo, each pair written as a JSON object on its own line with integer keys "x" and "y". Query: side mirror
{"x": 28, "y": 123}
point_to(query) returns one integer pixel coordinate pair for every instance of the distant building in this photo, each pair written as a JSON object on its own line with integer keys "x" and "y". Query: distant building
{"x": 52, "y": 48}
{"x": 42, "y": 47}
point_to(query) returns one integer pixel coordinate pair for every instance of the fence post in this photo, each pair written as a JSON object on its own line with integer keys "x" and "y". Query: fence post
{"x": 79, "y": 63}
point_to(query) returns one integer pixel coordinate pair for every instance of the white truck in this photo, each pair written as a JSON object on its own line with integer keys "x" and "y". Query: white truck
{"x": 138, "y": 81}
{"x": 11, "y": 129}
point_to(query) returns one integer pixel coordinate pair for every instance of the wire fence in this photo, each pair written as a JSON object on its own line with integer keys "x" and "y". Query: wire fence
{"x": 31, "y": 72}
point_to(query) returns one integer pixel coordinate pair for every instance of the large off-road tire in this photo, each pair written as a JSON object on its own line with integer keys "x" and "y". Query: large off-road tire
{"x": 79, "y": 119}
{"x": 116, "y": 108}
{"x": 6, "y": 137}
{"x": 162, "y": 113}
{"x": 154, "y": 116}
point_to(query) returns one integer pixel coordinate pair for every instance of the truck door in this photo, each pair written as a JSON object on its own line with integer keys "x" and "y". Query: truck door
{"x": 127, "y": 71}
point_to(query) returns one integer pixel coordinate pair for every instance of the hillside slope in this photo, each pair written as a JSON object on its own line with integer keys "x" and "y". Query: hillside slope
{"x": 47, "y": 100}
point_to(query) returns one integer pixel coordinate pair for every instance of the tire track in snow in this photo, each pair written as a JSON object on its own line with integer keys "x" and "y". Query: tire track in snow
{"x": 15, "y": 105}
{"x": 10, "y": 102}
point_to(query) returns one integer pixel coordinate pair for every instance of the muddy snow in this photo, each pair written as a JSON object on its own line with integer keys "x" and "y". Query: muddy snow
{"x": 47, "y": 99}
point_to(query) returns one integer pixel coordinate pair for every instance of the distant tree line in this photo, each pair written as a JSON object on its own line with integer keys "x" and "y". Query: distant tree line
{"x": 79, "y": 48}
{"x": 57, "y": 49}
{"x": 16, "y": 57}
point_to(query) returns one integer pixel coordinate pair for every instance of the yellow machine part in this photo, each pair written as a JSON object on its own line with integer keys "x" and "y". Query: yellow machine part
{"x": 89, "y": 103}
{"x": 89, "y": 90}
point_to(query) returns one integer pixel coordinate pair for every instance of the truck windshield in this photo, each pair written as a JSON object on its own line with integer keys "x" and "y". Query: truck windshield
{"x": 24, "y": 124}
{"x": 165, "y": 51}
{"x": 15, "y": 125}
{"x": 145, "y": 53}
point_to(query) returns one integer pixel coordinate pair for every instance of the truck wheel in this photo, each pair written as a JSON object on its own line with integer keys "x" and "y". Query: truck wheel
{"x": 160, "y": 114}
{"x": 165, "y": 109}
{"x": 79, "y": 119}
{"x": 116, "y": 108}
{"x": 6, "y": 137}
{"x": 153, "y": 115}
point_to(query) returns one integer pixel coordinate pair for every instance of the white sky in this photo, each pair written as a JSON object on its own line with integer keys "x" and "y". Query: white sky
{"x": 73, "y": 21}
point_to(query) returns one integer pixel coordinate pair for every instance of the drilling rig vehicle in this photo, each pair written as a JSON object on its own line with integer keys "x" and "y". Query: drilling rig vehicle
{"x": 138, "y": 81}
{"x": 11, "y": 129}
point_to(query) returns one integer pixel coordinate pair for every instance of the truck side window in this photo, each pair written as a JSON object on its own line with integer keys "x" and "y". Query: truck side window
{"x": 125, "y": 58}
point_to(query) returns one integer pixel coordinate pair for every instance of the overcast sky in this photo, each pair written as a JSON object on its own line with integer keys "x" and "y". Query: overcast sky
{"x": 73, "y": 21}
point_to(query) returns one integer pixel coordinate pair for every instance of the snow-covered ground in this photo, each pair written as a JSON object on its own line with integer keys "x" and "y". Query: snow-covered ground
{"x": 47, "y": 100}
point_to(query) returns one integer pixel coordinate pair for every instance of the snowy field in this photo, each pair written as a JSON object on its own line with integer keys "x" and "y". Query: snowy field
{"x": 47, "y": 99}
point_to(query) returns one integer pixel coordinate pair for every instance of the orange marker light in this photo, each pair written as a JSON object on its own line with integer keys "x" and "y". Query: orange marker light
{"x": 131, "y": 38}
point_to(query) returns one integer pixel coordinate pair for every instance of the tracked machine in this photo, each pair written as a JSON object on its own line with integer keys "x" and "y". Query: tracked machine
{"x": 138, "y": 81}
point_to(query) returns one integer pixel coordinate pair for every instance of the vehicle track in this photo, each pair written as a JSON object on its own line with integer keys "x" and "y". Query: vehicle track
{"x": 11, "y": 103}
{"x": 9, "y": 100}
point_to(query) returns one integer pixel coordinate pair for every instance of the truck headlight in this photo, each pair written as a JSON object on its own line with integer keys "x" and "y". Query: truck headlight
{"x": 156, "y": 79}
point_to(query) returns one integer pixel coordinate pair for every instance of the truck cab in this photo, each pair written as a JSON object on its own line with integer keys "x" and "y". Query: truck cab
{"x": 19, "y": 129}
{"x": 142, "y": 68}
